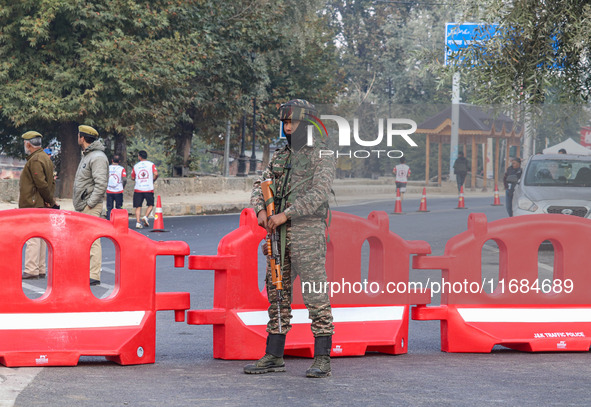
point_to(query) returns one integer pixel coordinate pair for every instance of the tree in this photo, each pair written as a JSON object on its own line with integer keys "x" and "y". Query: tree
{"x": 263, "y": 50}
{"x": 539, "y": 56}
{"x": 107, "y": 63}
{"x": 232, "y": 32}
{"x": 540, "y": 51}
{"x": 384, "y": 48}
{"x": 303, "y": 65}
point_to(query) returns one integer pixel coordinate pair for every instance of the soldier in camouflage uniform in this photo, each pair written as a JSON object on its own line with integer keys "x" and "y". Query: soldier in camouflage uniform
{"x": 301, "y": 185}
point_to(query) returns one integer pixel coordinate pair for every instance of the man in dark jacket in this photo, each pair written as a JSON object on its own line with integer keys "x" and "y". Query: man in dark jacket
{"x": 512, "y": 175}
{"x": 36, "y": 190}
{"x": 460, "y": 169}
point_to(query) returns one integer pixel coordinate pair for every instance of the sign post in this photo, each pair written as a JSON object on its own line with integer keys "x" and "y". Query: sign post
{"x": 458, "y": 37}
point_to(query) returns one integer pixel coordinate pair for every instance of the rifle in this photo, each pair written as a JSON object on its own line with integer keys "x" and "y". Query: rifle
{"x": 273, "y": 246}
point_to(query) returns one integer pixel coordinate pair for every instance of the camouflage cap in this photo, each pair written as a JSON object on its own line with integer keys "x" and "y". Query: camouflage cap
{"x": 296, "y": 109}
{"x": 31, "y": 134}
{"x": 88, "y": 131}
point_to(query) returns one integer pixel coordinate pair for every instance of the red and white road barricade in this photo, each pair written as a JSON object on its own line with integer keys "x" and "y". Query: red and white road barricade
{"x": 68, "y": 321}
{"x": 363, "y": 321}
{"x": 521, "y": 312}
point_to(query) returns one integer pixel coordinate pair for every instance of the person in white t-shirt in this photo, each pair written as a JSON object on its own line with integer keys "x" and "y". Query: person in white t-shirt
{"x": 117, "y": 181}
{"x": 144, "y": 174}
{"x": 402, "y": 172}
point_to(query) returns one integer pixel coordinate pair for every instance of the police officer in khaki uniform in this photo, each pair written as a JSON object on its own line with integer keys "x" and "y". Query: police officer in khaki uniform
{"x": 36, "y": 190}
{"x": 90, "y": 186}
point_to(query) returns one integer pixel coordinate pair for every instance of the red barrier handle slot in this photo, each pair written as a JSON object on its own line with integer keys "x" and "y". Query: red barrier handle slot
{"x": 424, "y": 313}
{"x": 178, "y": 302}
{"x": 432, "y": 262}
{"x": 179, "y": 261}
{"x": 218, "y": 262}
{"x": 173, "y": 247}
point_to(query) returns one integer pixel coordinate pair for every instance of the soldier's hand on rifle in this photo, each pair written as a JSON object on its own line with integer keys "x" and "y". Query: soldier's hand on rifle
{"x": 262, "y": 218}
{"x": 265, "y": 248}
{"x": 275, "y": 221}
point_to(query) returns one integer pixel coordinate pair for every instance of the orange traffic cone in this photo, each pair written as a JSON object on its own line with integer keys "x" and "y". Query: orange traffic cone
{"x": 158, "y": 219}
{"x": 497, "y": 200}
{"x": 423, "y": 205}
{"x": 461, "y": 199}
{"x": 398, "y": 205}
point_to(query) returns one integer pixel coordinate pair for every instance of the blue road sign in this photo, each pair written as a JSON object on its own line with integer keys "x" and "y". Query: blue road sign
{"x": 459, "y": 36}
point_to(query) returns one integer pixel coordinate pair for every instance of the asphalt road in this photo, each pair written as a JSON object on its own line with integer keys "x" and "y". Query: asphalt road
{"x": 185, "y": 373}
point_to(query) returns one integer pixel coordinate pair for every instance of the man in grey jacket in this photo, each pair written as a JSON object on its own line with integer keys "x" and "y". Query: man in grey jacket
{"x": 90, "y": 186}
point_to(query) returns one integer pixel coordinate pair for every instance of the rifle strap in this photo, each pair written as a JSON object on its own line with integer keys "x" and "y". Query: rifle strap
{"x": 282, "y": 203}
{"x": 283, "y": 242}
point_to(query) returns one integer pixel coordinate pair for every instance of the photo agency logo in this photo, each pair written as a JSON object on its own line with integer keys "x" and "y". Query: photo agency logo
{"x": 352, "y": 145}
{"x": 393, "y": 128}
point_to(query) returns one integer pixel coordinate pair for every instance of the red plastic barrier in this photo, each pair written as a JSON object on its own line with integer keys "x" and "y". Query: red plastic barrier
{"x": 68, "y": 321}
{"x": 363, "y": 322}
{"x": 519, "y": 314}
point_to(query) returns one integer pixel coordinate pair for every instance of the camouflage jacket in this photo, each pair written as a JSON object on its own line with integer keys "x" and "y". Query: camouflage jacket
{"x": 309, "y": 182}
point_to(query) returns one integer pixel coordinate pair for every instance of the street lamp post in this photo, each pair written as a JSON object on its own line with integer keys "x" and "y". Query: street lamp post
{"x": 242, "y": 159}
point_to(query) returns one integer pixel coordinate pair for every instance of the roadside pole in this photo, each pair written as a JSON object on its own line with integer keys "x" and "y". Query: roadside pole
{"x": 455, "y": 124}
{"x": 227, "y": 151}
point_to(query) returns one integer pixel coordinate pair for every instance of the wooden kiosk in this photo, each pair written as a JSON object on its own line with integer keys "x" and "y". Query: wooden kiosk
{"x": 476, "y": 126}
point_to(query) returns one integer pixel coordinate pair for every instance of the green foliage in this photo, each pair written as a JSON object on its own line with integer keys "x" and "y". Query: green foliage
{"x": 388, "y": 51}
{"x": 166, "y": 72}
{"x": 94, "y": 62}
{"x": 540, "y": 54}
{"x": 304, "y": 64}
{"x": 156, "y": 154}
{"x": 538, "y": 58}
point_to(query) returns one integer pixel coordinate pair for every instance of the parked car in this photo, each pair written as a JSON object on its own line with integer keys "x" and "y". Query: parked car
{"x": 555, "y": 183}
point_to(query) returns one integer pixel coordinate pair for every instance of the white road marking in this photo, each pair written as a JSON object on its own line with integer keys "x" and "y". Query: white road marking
{"x": 109, "y": 289}
{"x": 33, "y": 288}
{"x": 108, "y": 269}
{"x": 13, "y": 381}
{"x": 540, "y": 265}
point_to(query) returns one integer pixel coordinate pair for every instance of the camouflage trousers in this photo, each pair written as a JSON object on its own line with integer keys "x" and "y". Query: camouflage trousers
{"x": 305, "y": 257}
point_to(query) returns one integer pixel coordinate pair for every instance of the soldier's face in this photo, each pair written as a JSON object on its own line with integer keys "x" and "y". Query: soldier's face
{"x": 27, "y": 150}
{"x": 289, "y": 127}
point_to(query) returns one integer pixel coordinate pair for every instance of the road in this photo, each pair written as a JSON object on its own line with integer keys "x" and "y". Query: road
{"x": 185, "y": 373}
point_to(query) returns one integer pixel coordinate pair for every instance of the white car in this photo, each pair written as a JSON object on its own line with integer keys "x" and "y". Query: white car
{"x": 555, "y": 183}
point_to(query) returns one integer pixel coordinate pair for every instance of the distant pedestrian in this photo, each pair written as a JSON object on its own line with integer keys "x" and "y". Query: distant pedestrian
{"x": 36, "y": 190}
{"x": 117, "y": 181}
{"x": 460, "y": 169}
{"x": 90, "y": 186}
{"x": 401, "y": 172}
{"x": 144, "y": 174}
{"x": 512, "y": 176}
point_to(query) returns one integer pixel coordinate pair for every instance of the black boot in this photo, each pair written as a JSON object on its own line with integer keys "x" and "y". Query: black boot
{"x": 273, "y": 359}
{"x": 321, "y": 365}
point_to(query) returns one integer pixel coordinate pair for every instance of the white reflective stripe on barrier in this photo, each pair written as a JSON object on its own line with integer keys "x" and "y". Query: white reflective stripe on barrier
{"x": 350, "y": 314}
{"x": 68, "y": 320}
{"x": 525, "y": 314}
